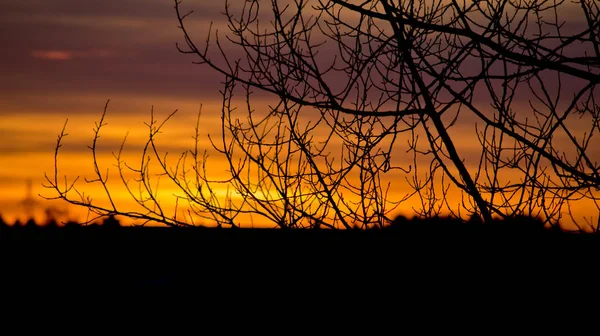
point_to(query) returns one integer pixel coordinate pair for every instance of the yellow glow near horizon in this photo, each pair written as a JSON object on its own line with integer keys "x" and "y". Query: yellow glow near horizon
{"x": 75, "y": 160}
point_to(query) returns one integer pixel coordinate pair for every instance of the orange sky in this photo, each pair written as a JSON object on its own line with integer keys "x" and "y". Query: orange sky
{"x": 65, "y": 58}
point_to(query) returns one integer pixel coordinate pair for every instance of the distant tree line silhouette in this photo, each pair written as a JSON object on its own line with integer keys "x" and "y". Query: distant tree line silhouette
{"x": 52, "y": 223}
{"x": 357, "y": 88}
{"x": 446, "y": 228}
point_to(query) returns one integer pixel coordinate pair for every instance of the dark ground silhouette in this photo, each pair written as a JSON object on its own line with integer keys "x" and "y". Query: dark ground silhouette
{"x": 427, "y": 269}
{"x": 438, "y": 251}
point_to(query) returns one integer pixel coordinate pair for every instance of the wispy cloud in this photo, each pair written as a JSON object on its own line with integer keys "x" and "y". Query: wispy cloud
{"x": 65, "y": 55}
{"x": 52, "y": 55}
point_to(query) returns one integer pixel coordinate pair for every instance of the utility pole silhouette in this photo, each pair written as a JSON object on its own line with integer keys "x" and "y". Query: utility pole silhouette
{"x": 29, "y": 203}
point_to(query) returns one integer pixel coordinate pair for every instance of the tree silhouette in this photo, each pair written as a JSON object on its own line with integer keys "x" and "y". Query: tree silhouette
{"x": 359, "y": 87}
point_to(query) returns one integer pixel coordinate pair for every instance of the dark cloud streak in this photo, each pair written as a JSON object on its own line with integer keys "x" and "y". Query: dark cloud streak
{"x": 100, "y": 47}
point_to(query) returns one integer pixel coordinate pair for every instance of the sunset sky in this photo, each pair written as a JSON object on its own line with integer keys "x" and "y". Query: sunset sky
{"x": 63, "y": 59}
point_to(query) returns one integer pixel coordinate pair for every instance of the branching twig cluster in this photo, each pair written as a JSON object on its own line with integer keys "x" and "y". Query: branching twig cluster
{"x": 352, "y": 81}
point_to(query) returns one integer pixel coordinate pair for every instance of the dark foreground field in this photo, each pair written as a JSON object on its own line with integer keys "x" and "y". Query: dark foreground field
{"x": 416, "y": 255}
{"x": 432, "y": 273}
{"x": 424, "y": 271}
{"x": 424, "y": 275}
